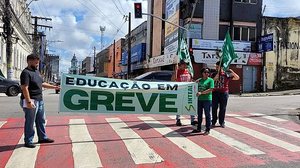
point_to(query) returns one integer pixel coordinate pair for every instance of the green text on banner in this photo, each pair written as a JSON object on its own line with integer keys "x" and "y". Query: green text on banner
{"x": 106, "y": 95}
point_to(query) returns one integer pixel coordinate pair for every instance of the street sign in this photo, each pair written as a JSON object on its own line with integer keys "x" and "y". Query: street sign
{"x": 266, "y": 43}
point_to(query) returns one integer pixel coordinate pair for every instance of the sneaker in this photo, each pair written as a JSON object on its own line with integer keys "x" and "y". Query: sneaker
{"x": 29, "y": 145}
{"x": 213, "y": 126}
{"x": 206, "y": 133}
{"x": 194, "y": 123}
{"x": 196, "y": 131}
{"x": 222, "y": 125}
{"x": 48, "y": 140}
{"x": 178, "y": 123}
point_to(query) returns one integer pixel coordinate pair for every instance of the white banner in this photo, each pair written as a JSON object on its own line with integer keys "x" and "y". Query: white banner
{"x": 218, "y": 44}
{"x": 107, "y": 95}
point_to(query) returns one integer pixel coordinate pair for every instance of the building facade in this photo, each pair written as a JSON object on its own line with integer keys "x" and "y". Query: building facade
{"x": 282, "y": 59}
{"x": 51, "y": 67}
{"x": 210, "y": 23}
{"x": 114, "y": 69}
{"x": 102, "y": 63}
{"x": 87, "y": 65}
{"x": 22, "y": 44}
{"x": 138, "y": 51}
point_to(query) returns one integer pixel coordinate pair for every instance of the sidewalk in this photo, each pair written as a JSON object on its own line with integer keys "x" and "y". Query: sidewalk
{"x": 275, "y": 93}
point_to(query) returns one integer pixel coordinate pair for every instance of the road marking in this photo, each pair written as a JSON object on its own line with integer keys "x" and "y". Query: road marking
{"x": 264, "y": 137}
{"x": 22, "y": 156}
{"x": 139, "y": 150}
{"x": 270, "y": 126}
{"x": 2, "y": 123}
{"x": 269, "y": 117}
{"x": 242, "y": 147}
{"x": 84, "y": 149}
{"x": 182, "y": 142}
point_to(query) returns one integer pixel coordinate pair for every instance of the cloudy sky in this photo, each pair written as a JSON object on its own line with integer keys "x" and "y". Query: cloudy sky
{"x": 77, "y": 23}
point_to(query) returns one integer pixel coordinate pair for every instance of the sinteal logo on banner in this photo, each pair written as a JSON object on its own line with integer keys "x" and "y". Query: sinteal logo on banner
{"x": 106, "y": 95}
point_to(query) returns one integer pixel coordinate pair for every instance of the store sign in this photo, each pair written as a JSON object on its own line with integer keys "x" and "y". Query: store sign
{"x": 255, "y": 59}
{"x": 138, "y": 54}
{"x": 218, "y": 44}
{"x": 195, "y": 31}
{"x": 266, "y": 43}
{"x": 162, "y": 60}
{"x": 210, "y": 57}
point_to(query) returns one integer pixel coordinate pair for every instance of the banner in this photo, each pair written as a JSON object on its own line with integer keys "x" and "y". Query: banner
{"x": 106, "y": 95}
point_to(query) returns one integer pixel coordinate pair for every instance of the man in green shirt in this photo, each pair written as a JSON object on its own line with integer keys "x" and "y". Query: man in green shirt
{"x": 205, "y": 87}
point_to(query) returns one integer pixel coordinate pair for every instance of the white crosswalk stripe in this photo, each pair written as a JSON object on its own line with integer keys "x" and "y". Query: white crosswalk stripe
{"x": 2, "y": 123}
{"x": 84, "y": 149}
{"x": 269, "y": 117}
{"x": 269, "y": 126}
{"x": 23, "y": 157}
{"x": 242, "y": 147}
{"x": 139, "y": 150}
{"x": 263, "y": 137}
{"x": 182, "y": 142}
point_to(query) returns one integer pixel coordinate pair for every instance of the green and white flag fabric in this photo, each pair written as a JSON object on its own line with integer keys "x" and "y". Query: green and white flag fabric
{"x": 183, "y": 54}
{"x": 228, "y": 54}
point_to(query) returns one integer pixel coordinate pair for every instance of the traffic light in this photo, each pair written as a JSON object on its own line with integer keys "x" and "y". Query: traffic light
{"x": 138, "y": 10}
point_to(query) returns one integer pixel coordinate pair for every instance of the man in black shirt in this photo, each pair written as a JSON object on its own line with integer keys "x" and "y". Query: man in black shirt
{"x": 32, "y": 102}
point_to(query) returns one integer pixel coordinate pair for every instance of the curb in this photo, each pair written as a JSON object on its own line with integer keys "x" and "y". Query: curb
{"x": 269, "y": 94}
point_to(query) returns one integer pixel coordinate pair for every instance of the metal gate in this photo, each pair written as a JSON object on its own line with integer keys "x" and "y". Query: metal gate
{"x": 249, "y": 78}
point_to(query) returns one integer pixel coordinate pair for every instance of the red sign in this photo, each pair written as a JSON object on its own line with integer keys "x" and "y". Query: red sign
{"x": 255, "y": 59}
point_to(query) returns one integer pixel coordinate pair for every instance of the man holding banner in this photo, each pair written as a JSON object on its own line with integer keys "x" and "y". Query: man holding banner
{"x": 222, "y": 78}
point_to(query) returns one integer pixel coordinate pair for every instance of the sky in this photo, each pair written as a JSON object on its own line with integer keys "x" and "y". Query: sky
{"x": 77, "y": 23}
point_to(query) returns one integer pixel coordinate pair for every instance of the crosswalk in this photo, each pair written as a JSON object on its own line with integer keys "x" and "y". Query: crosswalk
{"x": 150, "y": 141}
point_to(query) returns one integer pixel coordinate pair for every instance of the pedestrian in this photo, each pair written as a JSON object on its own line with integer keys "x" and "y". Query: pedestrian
{"x": 183, "y": 75}
{"x": 220, "y": 93}
{"x": 32, "y": 102}
{"x": 204, "y": 94}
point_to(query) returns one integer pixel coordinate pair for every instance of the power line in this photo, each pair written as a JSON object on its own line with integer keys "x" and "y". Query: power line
{"x": 117, "y": 7}
{"x": 121, "y": 6}
{"x": 103, "y": 13}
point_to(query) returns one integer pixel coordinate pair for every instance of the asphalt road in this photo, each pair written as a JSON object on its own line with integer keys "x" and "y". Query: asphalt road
{"x": 281, "y": 106}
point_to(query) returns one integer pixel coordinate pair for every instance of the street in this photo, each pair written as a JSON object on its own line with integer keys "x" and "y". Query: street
{"x": 260, "y": 132}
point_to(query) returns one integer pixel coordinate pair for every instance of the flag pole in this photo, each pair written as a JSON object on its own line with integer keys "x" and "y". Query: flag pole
{"x": 220, "y": 65}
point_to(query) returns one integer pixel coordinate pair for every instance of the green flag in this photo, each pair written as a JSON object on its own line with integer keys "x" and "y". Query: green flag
{"x": 183, "y": 54}
{"x": 228, "y": 54}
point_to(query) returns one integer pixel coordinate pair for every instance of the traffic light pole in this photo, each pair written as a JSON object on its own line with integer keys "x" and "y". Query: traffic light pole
{"x": 129, "y": 47}
{"x": 8, "y": 31}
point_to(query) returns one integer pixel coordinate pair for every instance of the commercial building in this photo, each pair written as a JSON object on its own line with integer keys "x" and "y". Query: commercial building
{"x": 211, "y": 20}
{"x": 138, "y": 51}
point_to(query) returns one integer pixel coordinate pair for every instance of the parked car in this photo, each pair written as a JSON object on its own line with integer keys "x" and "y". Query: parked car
{"x": 9, "y": 87}
{"x": 155, "y": 76}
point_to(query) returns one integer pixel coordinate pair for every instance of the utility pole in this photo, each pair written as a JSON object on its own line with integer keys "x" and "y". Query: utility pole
{"x": 114, "y": 60}
{"x": 8, "y": 31}
{"x": 94, "y": 60}
{"x": 35, "y": 33}
{"x": 129, "y": 47}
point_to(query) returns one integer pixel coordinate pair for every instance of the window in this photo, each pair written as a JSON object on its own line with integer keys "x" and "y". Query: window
{"x": 244, "y": 33}
{"x": 246, "y": 1}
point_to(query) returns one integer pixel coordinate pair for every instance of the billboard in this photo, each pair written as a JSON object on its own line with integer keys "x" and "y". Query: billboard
{"x": 171, "y": 31}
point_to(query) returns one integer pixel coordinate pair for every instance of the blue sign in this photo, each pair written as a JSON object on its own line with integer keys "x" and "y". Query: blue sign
{"x": 138, "y": 54}
{"x": 266, "y": 43}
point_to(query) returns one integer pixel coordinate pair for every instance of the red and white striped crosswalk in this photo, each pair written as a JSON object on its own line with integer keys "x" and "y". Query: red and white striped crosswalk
{"x": 151, "y": 141}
